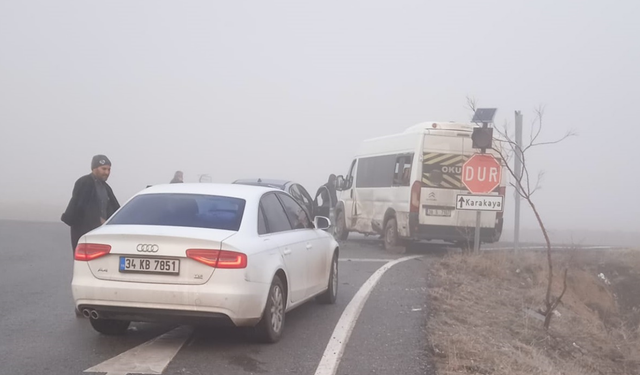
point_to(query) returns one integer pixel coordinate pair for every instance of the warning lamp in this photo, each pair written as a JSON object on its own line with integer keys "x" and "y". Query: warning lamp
{"x": 482, "y": 137}
{"x": 434, "y": 125}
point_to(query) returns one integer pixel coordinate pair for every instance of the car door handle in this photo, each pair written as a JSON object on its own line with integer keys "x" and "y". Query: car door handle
{"x": 309, "y": 246}
{"x": 287, "y": 251}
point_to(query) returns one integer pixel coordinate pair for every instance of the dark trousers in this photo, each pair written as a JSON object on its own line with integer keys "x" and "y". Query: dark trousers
{"x": 76, "y": 233}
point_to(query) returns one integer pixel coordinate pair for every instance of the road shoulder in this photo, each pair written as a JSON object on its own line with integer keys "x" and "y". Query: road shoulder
{"x": 390, "y": 332}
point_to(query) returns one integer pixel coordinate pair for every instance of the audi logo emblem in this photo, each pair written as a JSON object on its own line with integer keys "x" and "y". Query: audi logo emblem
{"x": 147, "y": 248}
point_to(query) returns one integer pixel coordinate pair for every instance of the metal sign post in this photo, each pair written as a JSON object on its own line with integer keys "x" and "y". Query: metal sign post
{"x": 476, "y": 239}
{"x": 482, "y": 139}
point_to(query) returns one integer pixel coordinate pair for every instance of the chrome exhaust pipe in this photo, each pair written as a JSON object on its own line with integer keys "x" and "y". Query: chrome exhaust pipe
{"x": 86, "y": 313}
{"x": 94, "y": 314}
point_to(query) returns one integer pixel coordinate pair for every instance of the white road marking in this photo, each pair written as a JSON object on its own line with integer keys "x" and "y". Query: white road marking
{"x": 335, "y": 348}
{"x": 364, "y": 260}
{"x": 152, "y": 357}
{"x": 542, "y": 247}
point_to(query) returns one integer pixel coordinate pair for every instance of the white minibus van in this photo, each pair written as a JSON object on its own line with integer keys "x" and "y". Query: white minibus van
{"x": 404, "y": 186}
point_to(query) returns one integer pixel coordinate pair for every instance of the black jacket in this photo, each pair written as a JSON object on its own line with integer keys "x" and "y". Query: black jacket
{"x": 327, "y": 191}
{"x": 83, "y": 211}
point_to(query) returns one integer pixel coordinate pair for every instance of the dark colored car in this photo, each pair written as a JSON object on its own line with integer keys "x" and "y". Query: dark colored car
{"x": 297, "y": 191}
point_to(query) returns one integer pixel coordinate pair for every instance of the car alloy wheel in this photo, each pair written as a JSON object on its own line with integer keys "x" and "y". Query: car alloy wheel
{"x": 334, "y": 278}
{"x": 277, "y": 308}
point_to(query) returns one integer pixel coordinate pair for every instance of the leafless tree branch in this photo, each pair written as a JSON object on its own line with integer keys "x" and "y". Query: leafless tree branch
{"x": 472, "y": 104}
{"x": 537, "y": 120}
{"x": 526, "y": 188}
{"x": 567, "y": 135}
{"x": 552, "y": 307}
{"x": 518, "y": 182}
{"x": 536, "y": 130}
{"x": 538, "y": 182}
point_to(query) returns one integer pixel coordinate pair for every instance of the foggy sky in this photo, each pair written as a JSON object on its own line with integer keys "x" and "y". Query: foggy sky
{"x": 276, "y": 89}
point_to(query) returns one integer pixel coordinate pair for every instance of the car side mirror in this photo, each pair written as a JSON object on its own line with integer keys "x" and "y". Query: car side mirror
{"x": 340, "y": 183}
{"x": 321, "y": 222}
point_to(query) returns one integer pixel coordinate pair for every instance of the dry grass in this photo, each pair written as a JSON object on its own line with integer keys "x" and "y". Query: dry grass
{"x": 479, "y": 323}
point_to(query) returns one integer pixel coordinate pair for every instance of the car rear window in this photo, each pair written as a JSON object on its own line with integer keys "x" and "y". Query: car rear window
{"x": 182, "y": 210}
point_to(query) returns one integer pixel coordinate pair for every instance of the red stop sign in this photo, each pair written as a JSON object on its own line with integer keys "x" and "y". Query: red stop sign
{"x": 481, "y": 174}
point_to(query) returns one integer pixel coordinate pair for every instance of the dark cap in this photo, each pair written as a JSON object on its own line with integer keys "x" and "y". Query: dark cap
{"x": 99, "y": 161}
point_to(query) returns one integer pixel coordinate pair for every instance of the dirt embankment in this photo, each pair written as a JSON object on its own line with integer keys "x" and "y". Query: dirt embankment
{"x": 484, "y": 316}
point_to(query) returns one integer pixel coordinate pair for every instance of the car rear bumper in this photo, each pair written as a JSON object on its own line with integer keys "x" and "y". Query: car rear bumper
{"x": 158, "y": 315}
{"x": 450, "y": 233}
{"x": 217, "y": 301}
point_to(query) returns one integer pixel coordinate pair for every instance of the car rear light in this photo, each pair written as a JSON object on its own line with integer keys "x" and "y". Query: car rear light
{"x": 415, "y": 197}
{"x": 208, "y": 257}
{"x": 232, "y": 259}
{"x": 90, "y": 251}
{"x": 218, "y": 258}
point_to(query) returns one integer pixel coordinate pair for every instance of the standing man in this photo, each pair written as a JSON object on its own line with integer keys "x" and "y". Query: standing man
{"x": 177, "y": 178}
{"x": 92, "y": 201}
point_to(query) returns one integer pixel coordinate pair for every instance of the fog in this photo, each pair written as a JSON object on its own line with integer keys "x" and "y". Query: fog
{"x": 277, "y": 89}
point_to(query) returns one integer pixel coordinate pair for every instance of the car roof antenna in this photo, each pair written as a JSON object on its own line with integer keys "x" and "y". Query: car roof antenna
{"x": 259, "y": 180}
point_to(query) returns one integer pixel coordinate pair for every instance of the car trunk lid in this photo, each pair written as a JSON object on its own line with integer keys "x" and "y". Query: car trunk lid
{"x": 154, "y": 254}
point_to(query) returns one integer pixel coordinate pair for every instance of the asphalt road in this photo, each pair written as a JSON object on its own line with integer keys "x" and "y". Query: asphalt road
{"x": 41, "y": 335}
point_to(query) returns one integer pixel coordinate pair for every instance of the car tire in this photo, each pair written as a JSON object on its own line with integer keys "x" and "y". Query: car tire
{"x": 341, "y": 227}
{"x": 329, "y": 296}
{"x": 271, "y": 325}
{"x": 392, "y": 243}
{"x": 110, "y": 327}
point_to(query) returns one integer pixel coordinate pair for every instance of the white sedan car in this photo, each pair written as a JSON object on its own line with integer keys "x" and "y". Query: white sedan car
{"x": 205, "y": 253}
